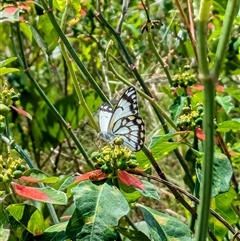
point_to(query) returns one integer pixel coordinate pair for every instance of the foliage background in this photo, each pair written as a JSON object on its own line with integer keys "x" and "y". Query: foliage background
{"x": 49, "y": 145}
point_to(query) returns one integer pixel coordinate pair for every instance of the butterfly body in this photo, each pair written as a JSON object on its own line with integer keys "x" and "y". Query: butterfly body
{"x": 123, "y": 121}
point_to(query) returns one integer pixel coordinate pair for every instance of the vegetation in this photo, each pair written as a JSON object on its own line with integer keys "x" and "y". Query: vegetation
{"x": 60, "y": 60}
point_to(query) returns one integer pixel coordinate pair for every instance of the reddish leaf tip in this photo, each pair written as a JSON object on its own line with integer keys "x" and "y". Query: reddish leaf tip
{"x": 130, "y": 180}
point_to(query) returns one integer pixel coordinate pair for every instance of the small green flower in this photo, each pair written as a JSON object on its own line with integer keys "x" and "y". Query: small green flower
{"x": 118, "y": 141}
{"x": 17, "y": 174}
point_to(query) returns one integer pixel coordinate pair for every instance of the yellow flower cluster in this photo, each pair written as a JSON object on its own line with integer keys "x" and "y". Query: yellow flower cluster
{"x": 11, "y": 168}
{"x": 114, "y": 156}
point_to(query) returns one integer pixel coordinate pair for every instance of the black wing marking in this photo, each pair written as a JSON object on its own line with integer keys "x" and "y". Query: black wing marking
{"x": 131, "y": 130}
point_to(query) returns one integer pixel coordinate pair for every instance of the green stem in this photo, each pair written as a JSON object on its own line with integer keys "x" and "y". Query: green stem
{"x": 224, "y": 37}
{"x": 209, "y": 95}
{"x": 187, "y": 26}
{"x": 72, "y": 52}
{"x": 50, "y": 105}
{"x": 124, "y": 11}
{"x": 169, "y": 26}
{"x": 151, "y": 42}
{"x": 82, "y": 101}
{"x": 9, "y": 191}
{"x": 130, "y": 62}
{"x": 153, "y": 48}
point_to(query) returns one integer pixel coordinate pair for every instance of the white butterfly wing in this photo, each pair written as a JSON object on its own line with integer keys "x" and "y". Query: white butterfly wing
{"x": 105, "y": 114}
{"x": 131, "y": 130}
{"x": 123, "y": 121}
{"x": 126, "y": 106}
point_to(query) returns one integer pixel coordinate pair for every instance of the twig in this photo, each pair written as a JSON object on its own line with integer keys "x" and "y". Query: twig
{"x": 124, "y": 11}
{"x": 189, "y": 29}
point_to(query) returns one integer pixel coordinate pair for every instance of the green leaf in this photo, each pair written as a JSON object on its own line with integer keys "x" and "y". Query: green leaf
{"x": 54, "y": 233}
{"x": 159, "y": 146}
{"x": 7, "y": 61}
{"x": 130, "y": 193}
{"x": 164, "y": 227}
{"x": 222, "y": 204}
{"x": 4, "y": 232}
{"x": 228, "y": 126}
{"x": 189, "y": 48}
{"x": 222, "y": 174}
{"x": 98, "y": 210}
{"x": 35, "y": 175}
{"x": 160, "y": 149}
{"x": 67, "y": 182}
{"x": 60, "y": 4}
{"x": 40, "y": 42}
{"x": 50, "y": 34}
{"x": 234, "y": 92}
{"x": 5, "y": 70}
{"x": 3, "y": 216}
{"x": 142, "y": 160}
{"x": 133, "y": 235}
{"x": 156, "y": 140}
{"x": 75, "y": 7}
{"x": 225, "y": 102}
{"x": 26, "y": 30}
{"x": 26, "y": 220}
{"x": 133, "y": 194}
{"x": 177, "y": 106}
{"x": 149, "y": 191}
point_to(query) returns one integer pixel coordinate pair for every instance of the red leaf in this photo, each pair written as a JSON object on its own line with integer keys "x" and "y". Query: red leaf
{"x": 10, "y": 9}
{"x": 233, "y": 153}
{"x": 95, "y": 175}
{"x": 30, "y": 179}
{"x": 210, "y": 26}
{"x": 198, "y": 87}
{"x": 220, "y": 88}
{"x": 83, "y": 12}
{"x": 189, "y": 91}
{"x": 200, "y": 135}
{"x": 23, "y": 6}
{"x": 22, "y": 112}
{"x": 66, "y": 217}
{"x": 30, "y": 192}
{"x": 130, "y": 180}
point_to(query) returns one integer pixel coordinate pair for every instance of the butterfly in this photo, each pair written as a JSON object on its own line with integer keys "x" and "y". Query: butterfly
{"x": 123, "y": 121}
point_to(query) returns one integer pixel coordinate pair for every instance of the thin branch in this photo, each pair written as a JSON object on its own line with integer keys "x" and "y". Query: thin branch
{"x": 124, "y": 11}
{"x": 224, "y": 37}
{"x": 189, "y": 30}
